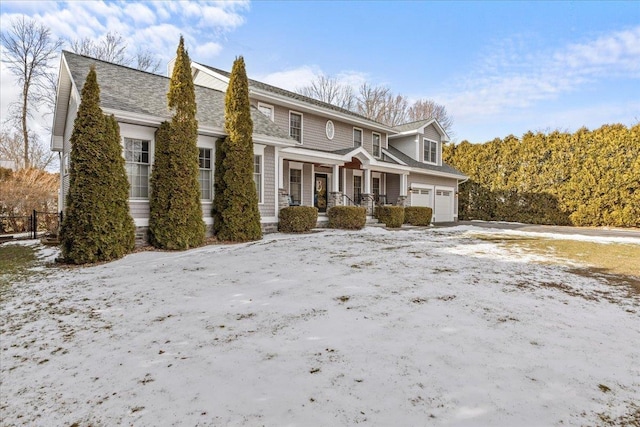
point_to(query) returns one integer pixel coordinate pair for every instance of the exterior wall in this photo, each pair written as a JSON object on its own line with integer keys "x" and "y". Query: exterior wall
{"x": 314, "y": 130}
{"x": 393, "y": 188}
{"x": 203, "y": 79}
{"x": 431, "y": 180}
{"x": 407, "y": 145}
{"x": 72, "y": 112}
{"x": 431, "y": 133}
{"x": 267, "y": 207}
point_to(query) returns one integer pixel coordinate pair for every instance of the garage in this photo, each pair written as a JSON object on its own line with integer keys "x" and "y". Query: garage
{"x": 421, "y": 197}
{"x": 444, "y": 206}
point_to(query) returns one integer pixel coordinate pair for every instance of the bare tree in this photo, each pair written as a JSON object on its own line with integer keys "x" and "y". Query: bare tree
{"x": 395, "y": 110}
{"x": 113, "y": 48}
{"x": 372, "y": 100}
{"x": 330, "y": 90}
{"x": 28, "y": 50}
{"x": 12, "y": 145}
{"x": 429, "y": 109}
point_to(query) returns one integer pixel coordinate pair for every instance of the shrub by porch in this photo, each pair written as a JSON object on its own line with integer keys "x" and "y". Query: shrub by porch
{"x": 347, "y": 217}
{"x": 391, "y": 216}
{"x": 418, "y": 215}
{"x": 297, "y": 219}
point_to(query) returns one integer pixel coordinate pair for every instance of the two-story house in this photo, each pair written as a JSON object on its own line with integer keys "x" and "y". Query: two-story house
{"x": 306, "y": 152}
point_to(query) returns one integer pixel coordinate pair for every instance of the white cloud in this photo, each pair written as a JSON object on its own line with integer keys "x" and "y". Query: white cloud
{"x": 508, "y": 79}
{"x": 140, "y": 13}
{"x": 205, "y": 51}
{"x": 291, "y": 79}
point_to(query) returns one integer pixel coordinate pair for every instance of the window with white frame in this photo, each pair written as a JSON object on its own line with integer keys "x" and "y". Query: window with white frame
{"x": 204, "y": 162}
{"x": 376, "y": 145}
{"x": 295, "y": 126}
{"x": 136, "y": 154}
{"x": 267, "y": 110}
{"x": 357, "y": 137}
{"x": 430, "y": 151}
{"x": 357, "y": 189}
{"x": 295, "y": 186}
{"x": 257, "y": 175}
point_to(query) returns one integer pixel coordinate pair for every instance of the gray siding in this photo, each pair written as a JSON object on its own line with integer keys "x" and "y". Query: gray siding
{"x": 405, "y": 144}
{"x": 393, "y": 188}
{"x": 66, "y": 147}
{"x": 432, "y": 180}
{"x": 307, "y": 182}
{"x": 139, "y": 209}
{"x": 431, "y": 133}
{"x": 267, "y": 207}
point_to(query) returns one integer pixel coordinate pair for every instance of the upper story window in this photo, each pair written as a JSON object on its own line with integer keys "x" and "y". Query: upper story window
{"x": 257, "y": 175}
{"x": 295, "y": 126}
{"x": 204, "y": 161}
{"x": 136, "y": 155}
{"x": 430, "y": 151}
{"x": 357, "y": 137}
{"x": 376, "y": 145}
{"x": 267, "y": 110}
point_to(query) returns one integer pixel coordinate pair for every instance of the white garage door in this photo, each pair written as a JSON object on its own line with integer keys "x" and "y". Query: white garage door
{"x": 444, "y": 206}
{"x": 421, "y": 197}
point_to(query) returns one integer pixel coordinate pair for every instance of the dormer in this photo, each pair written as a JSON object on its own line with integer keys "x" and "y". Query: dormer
{"x": 421, "y": 140}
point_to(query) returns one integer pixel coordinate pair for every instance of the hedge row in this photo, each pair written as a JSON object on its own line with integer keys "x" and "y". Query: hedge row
{"x": 418, "y": 215}
{"x": 347, "y": 217}
{"x": 297, "y": 219}
{"x": 391, "y": 216}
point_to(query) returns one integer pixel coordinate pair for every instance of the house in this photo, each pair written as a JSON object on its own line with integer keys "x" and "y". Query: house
{"x": 306, "y": 151}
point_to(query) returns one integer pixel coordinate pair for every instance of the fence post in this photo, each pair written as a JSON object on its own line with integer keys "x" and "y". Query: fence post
{"x": 35, "y": 224}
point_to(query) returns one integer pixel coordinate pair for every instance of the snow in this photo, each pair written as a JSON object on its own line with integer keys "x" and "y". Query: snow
{"x": 410, "y": 327}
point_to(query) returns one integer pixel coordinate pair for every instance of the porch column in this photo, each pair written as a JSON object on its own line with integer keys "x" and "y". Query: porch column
{"x": 367, "y": 181}
{"x": 335, "y": 179}
{"x": 281, "y": 172}
{"x": 403, "y": 184}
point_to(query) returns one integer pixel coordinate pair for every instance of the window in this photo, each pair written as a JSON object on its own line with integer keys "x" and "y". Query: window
{"x": 257, "y": 175}
{"x": 430, "y": 151}
{"x": 204, "y": 162}
{"x": 376, "y": 145}
{"x": 136, "y": 155}
{"x": 376, "y": 187}
{"x": 357, "y": 137}
{"x": 357, "y": 189}
{"x": 266, "y": 109}
{"x": 295, "y": 126}
{"x": 295, "y": 186}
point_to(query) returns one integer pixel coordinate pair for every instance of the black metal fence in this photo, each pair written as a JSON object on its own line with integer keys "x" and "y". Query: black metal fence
{"x": 34, "y": 225}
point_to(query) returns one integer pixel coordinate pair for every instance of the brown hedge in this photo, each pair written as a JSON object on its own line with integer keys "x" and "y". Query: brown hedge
{"x": 297, "y": 219}
{"x": 391, "y": 216}
{"x": 418, "y": 215}
{"x": 347, "y": 217}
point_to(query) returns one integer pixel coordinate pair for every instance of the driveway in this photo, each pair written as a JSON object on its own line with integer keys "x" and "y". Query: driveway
{"x": 559, "y": 229}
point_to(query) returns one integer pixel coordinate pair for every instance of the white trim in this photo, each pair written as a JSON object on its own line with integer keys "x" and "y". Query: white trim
{"x": 313, "y": 184}
{"x": 353, "y": 137}
{"x": 333, "y": 130}
{"x": 418, "y": 156}
{"x": 379, "y": 145}
{"x": 258, "y": 150}
{"x": 420, "y": 130}
{"x": 301, "y": 169}
{"x": 272, "y": 116}
{"x": 268, "y": 219}
{"x": 276, "y": 167}
{"x": 301, "y": 142}
{"x": 424, "y": 160}
{"x": 386, "y": 153}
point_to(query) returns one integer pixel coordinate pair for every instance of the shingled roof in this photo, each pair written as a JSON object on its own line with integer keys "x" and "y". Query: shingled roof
{"x": 296, "y": 96}
{"x": 411, "y": 126}
{"x": 445, "y": 168}
{"x": 134, "y": 91}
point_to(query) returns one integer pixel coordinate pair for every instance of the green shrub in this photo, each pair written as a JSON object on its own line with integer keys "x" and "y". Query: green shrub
{"x": 347, "y": 217}
{"x": 297, "y": 219}
{"x": 417, "y": 215}
{"x": 391, "y": 216}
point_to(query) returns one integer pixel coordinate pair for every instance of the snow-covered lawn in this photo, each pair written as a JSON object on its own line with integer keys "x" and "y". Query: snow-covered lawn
{"x": 383, "y": 328}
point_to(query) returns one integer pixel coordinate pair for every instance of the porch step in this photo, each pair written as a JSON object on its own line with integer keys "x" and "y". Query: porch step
{"x": 372, "y": 221}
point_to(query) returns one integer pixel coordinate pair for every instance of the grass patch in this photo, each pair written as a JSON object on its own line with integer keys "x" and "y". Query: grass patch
{"x": 15, "y": 260}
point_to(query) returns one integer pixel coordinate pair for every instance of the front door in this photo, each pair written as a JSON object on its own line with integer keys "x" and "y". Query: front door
{"x": 320, "y": 196}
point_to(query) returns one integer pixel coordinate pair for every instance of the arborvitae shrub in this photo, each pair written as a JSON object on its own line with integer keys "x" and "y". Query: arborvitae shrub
{"x": 96, "y": 225}
{"x": 175, "y": 220}
{"x": 418, "y": 215}
{"x": 391, "y": 216}
{"x": 297, "y": 219}
{"x": 235, "y": 208}
{"x": 347, "y": 217}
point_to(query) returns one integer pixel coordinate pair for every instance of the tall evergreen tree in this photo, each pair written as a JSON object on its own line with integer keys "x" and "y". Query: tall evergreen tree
{"x": 175, "y": 220}
{"x": 235, "y": 208}
{"x": 97, "y": 225}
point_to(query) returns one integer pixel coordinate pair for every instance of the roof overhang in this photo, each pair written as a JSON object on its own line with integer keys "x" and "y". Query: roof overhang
{"x": 419, "y": 130}
{"x": 63, "y": 94}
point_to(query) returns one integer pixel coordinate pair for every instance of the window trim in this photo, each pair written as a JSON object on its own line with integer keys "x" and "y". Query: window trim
{"x": 261, "y": 195}
{"x": 273, "y": 110}
{"x": 301, "y": 181}
{"x": 148, "y": 164}
{"x": 353, "y": 136}
{"x": 210, "y": 169}
{"x": 301, "y": 126}
{"x": 424, "y": 151}
{"x": 373, "y": 147}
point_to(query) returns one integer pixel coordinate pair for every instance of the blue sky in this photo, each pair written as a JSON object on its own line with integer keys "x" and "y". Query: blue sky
{"x": 500, "y": 68}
